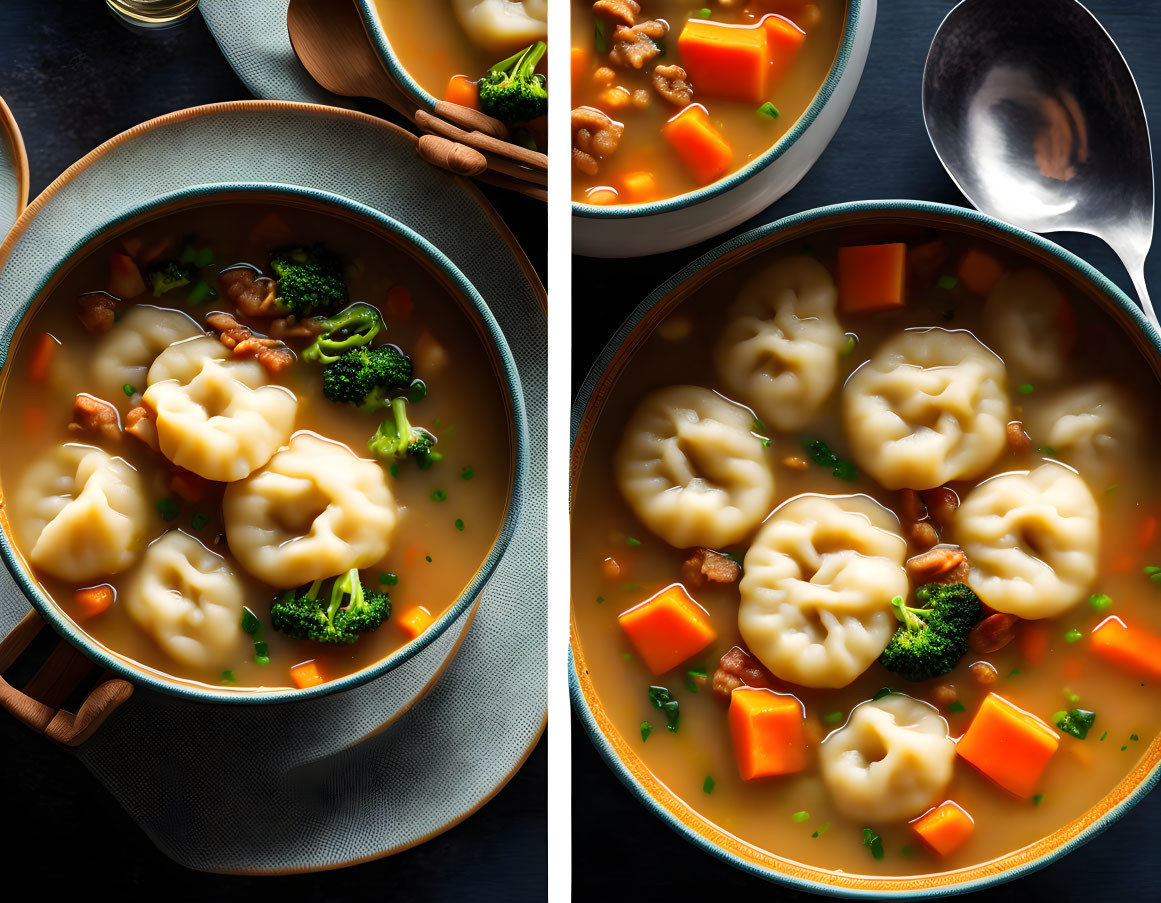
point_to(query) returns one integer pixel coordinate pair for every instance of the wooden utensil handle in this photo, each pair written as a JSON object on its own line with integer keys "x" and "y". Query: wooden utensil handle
{"x": 481, "y": 142}
{"x": 473, "y": 120}
{"x": 457, "y": 158}
{"x": 62, "y": 671}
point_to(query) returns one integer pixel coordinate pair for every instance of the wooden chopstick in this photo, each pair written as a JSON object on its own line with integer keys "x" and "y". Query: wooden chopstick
{"x": 481, "y": 142}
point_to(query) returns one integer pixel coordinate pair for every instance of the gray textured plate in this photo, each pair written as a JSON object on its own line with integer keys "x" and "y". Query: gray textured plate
{"x": 13, "y": 170}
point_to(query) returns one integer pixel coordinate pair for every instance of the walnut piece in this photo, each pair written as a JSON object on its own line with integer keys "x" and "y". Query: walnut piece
{"x": 271, "y": 353}
{"x": 931, "y": 565}
{"x": 141, "y": 423}
{"x": 252, "y": 292}
{"x": 672, "y": 84}
{"x": 97, "y": 417}
{"x": 737, "y": 669}
{"x": 594, "y": 137}
{"x": 993, "y": 633}
{"x": 97, "y": 311}
{"x": 634, "y": 47}
{"x": 623, "y": 12}
{"x": 705, "y": 566}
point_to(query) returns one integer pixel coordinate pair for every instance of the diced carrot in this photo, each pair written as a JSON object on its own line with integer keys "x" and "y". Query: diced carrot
{"x": 701, "y": 147}
{"x": 414, "y": 621}
{"x": 125, "y": 280}
{"x": 42, "y": 354}
{"x": 464, "y": 91}
{"x": 94, "y": 600}
{"x": 1009, "y": 745}
{"x": 306, "y": 674}
{"x": 945, "y": 828}
{"x": 639, "y": 187}
{"x": 1132, "y": 648}
{"x": 399, "y": 304}
{"x": 1146, "y": 531}
{"x": 667, "y": 628}
{"x": 727, "y": 61}
{"x": 783, "y": 41}
{"x": 871, "y": 277}
{"x": 602, "y": 197}
{"x": 579, "y": 65}
{"x": 979, "y": 271}
{"x": 1033, "y": 641}
{"x": 768, "y": 733}
{"x": 925, "y": 260}
{"x": 610, "y": 568}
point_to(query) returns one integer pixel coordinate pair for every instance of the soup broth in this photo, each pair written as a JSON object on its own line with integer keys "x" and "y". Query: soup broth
{"x": 448, "y": 515}
{"x": 1047, "y": 669}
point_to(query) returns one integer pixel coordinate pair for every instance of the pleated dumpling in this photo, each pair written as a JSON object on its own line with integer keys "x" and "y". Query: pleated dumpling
{"x": 931, "y": 405}
{"x": 817, "y": 586}
{"x": 217, "y": 417}
{"x": 891, "y": 761}
{"x": 315, "y": 511}
{"x": 1032, "y": 540}
{"x": 503, "y": 25}
{"x": 128, "y": 349}
{"x": 691, "y": 468}
{"x": 779, "y": 350}
{"x": 83, "y": 514}
{"x": 1092, "y": 427}
{"x": 189, "y": 600}
{"x": 1029, "y": 322}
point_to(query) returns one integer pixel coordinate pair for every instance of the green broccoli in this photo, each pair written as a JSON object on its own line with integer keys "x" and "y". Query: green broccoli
{"x": 339, "y": 617}
{"x": 310, "y": 281}
{"x": 512, "y": 91}
{"x": 931, "y": 640}
{"x": 349, "y": 329}
{"x": 365, "y": 376}
{"x": 168, "y": 275}
{"x": 397, "y": 439}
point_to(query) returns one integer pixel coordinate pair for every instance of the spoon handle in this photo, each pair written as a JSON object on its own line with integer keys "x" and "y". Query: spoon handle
{"x": 1137, "y": 274}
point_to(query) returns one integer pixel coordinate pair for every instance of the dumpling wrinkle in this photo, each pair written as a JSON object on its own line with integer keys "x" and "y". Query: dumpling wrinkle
{"x": 1030, "y": 324}
{"x": 126, "y": 351}
{"x": 1092, "y": 427}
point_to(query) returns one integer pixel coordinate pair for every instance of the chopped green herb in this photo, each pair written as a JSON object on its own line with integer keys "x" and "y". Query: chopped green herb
{"x": 667, "y": 705}
{"x": 632, "y": 543}
{"x": 759, "y": 426}
{"x": 1026, "y": 388}
{"x": 1123, "y": 748}
{"x": 1070, "y": 696}
{"x": 439, "y": 495}
{"x": 1111, "y": 489}
{"x": 873, "y": 842}
{"x": 765, "y": 443}
{"x": 388, "y": 578}
{"x": 947, "y": 283}
{"x": 228, "y": 677}
{"x": 631, "y": 587}
{"x": 460, "y": 524}
{"x": 168, "y": 509}
{"x": 1134, "y": 737}
{"x": 849, "y": 345}
{"x": 1152, "y": 569}
{"x": 1046, "y": 450}
{"x": 261, "y": 659}
{"x": 768, "y": 109}
{"x": 199, "y": 520}
{"x": 394, "y": 468}
{"x": 1077, "y": 722}
{"x": 646, "y": 730}
{"x": 129, "y": 390}
{"x": 1072, "y": 635}
{"x": 600, "y": 39}
{"x": 800, "y": 816}
{"x": 428, "y": 557}
{"x": 821, "y": 829}
{"x": 1014, "y": 672}
{"x": 600, "y": 599}
{"x": 694, "y": 679}
{"x": 1155, "y": 578}
{"x": 261, "y": 648}
{"x": 906, "y": 851}
{"x": 735, "y": 557}
{"x": 467, "y": 473}
{"x": 1105, "y": 734}
{"x": 707, "y": 786}
{"x": 1099, "y": 601}
{"x": 627, "y": 656}
{"x": 845, "y": 470}
{"x": 704, "y": 13}
{"x": 886, "y": 691}
{"x": 200, "y": 291}
{"x": 822, "y": 455}
{"x": 957, "y": 706}
{"x": 832, "y": 718}
{"x": 250, "y": 622}
{"x": 1037, "y": 799}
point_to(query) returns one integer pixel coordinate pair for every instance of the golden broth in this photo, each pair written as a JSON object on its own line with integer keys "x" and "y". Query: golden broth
{"x": 760, "y": 813}
{"x": 431, "y": 557}
{"x": 749, "y": 133}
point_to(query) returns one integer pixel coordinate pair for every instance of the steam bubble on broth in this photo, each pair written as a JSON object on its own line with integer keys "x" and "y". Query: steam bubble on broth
{"x": 1032, "y": 539}
{"x": 1029, "y": 322}
{"x": 220, "y": 419}
{"x": 930, "y": 406}
{"x": 315, "y": 510}
{"x": 691, "y": 468}
{"x": 189, "y": 600}
{"x": 127, "y": 350}
{"x": 1092, "y": 426}
{"x": 817, "y": 586}
{"x": 891, "y": 761}
{"x": 503, "y": 25}
{"x": 779, "y": 350}
{"x": 82, "y": 513}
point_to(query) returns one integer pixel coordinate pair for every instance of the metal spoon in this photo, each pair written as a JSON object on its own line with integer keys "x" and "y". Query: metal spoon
{"x": 1036, "y": 117}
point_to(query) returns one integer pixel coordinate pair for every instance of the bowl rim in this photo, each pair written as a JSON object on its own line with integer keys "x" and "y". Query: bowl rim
{"x": 580, "y": 703}
{"x": 377, "y": 34}
{"x": 509, "y": 382}
{"x": 699, "y": 195}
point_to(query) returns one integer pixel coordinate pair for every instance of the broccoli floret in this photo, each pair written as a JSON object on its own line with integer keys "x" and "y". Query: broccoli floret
{"x": 338, "y": 617}
{"x": 931, "y": 640}
{"x": 310, "y": 281}
{"x": 366, "y": 376}
{"x": 349, "y": 329}
{"x": 512, "y": 91}
{"x": 165, "y": 277}
{"x": 397, "y": 439}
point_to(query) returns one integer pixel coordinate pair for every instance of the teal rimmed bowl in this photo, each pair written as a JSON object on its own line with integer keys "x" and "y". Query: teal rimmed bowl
{"x": 15, "y": 312}
{"x": 858, "y": 222}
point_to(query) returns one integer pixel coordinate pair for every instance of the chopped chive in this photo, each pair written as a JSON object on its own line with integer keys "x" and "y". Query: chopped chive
{"x": 768, "y": 109}
{"x": 200, "y": 291}
{"x": 228, "y": 677}
{"x": 261, "y": 648}
{"x": 168, "y": 509}
{"x": 906, "y": 851}
{"x": 759, "y": 426}
{"x": 600, "y": 41}
{"x": 845, "y": 470}
{"x": 947, "y": 283}
{"x": 707, "y": 786}
{"x": 1152, "y": 569}
{"x": 388, "y": 578}
{"x": 1134, "y": 737}
{"x": 460, "y": 524}
{"x": 873, "y": 842}
{"x": 849, "y": 345}
{"x": 428, "y": 557}
{"x": 957, "y": 706}
{"x": 1072, "y": 635}
{"x": 886, "y": 691}
{"x": 394, "y": 468}
{"x": 439, "y": 495}
{"x": 1123, "y": 748}
{"x": 632, "y": 543}
{"x": 467, "y": 473}
{"x": 1076, "y": 723}
{"x": 129, "y": 390}
{"x": 1014, "y": 672}
{"x": 1026, "y": 388}
{"x": 800, "y": 816}
{"x": 821, "y": 829}
{"x": 600, "y": 599}
{"x": 1037, "y": 799}
{"x": 250, "y": 622}
{"x": 1070, "y": 696}
{"x": 199, "y": 520}
{"x": 663, "y": 701}
{"x": 646, "y": 730}
{"x": 1046, "y": 450}
{"x": 704, "y": 13}
{"x": 1105, "y": 734}
{"x": 631, "y": 587}
{"x": 693, "y": 677}
{"x": 1099, "y": 601}
{"x": 832, "y": 718}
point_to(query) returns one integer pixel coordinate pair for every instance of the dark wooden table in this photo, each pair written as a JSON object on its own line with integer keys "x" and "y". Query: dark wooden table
{"x": 74, "y": 77}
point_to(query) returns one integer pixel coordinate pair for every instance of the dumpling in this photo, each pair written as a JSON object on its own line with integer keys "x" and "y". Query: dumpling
{"x": 219, "y": 418}
{"x": 779, "y": 351}
{"x": 692, "y": 470}
{"x": 503, "y": 25}
{"x": 891, "y": 761}
{"x": 1093, "y": 427}
{"x": 84, "y": 513}
{"x": 1030, "y": 324}
{"x": 931, "y": 405}
{"x": 189, "y": 600}
{"x": 126, "y": 351}
{"x": 313, "y": 512}
{"x": 817, "y": 586}
{"x": 1032, "y": 540}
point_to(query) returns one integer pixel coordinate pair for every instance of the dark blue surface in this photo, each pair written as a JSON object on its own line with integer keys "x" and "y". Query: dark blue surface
{"x": 75, "y": 77}
{"x": 880, "y": 151}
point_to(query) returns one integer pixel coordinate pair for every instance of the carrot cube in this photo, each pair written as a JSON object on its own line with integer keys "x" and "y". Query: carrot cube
{"x": 306, "y": 674}
{"x": 783, "y": 40}
{"x": 768, "y": 730}
{"x": 1033, "y": 641}
{"x": 1131, "y": 648}
{"x": 703, "y": 150}
{"x": 639, "y": 187}
{"x": 578, "y": 65}
{"x": 414, "y": 621}
{"x": 1009, "y": 745}
{"x": 979, "y": 271}
{"x": 94, "y": 600}
{"x": 727, "y": 61}
{"x": 464, "y": 91}
{"x": 871, "y": 277}
{"x": 945, "y": 828}
{"x": 667, "y": 628}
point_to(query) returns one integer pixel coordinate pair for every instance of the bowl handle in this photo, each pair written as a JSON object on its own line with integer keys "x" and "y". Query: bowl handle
{"x": 38, "y": 704}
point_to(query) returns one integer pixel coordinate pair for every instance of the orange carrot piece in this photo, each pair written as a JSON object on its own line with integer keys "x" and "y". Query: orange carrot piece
{"x": 579, "y": 65}
{"x": 188, "y": 487}
{"x": 602, "y": 197}
{"x": 639, "y": 187}
{"x": 306, "y": 674}
{"x": 701, "y": 147}
{"x": 415, "y": 621}
{"x": 667, "y": 628}
{"x": 768, "y": 730}
{"x": 979, "y": 271}
{"x": 42, "y": 353}
{"x": 1033, "y": 641}
{"x": 727, "y": 61}
{"x": 94, "y": 600}
{"x": 1147, "y": 531}
{"x": 1132, "y": 648}
{"x": 125, "y": 280}
{"x": 400, "y": 305}
{"x": 945, "y": 828}
{"x": 871, "y": 277}
{"x": 464, "y": 91}
{"x": 783, "y": 39}
{"x": 1008, "y": 745}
